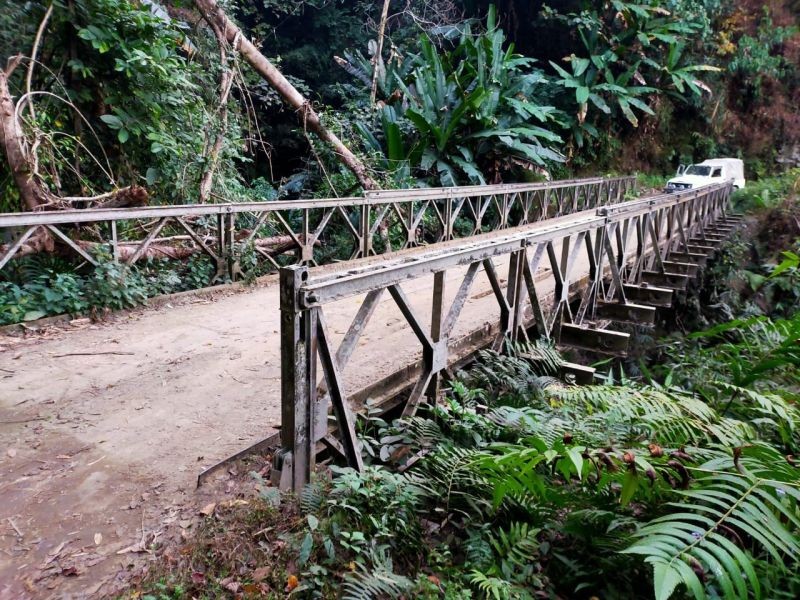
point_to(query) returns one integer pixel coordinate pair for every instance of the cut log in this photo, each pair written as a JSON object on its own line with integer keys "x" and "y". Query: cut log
{"x": 177, "y": 247}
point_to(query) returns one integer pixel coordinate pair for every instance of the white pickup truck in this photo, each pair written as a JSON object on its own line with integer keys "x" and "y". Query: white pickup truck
{"x": 713, "y": 170}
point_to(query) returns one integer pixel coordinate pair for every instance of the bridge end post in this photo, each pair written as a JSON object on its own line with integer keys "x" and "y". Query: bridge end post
{"x": 294, "y": 462}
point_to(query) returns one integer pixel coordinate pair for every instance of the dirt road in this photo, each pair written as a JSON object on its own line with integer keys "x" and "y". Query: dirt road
{"x": 104, "y": 428}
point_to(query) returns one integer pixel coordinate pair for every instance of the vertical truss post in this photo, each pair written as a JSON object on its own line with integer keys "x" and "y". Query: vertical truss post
{"x": 294, "y": 462}
{"x": 437, "y": 322}
{"x": 222, "y": 248}
{"x": 114, "y": 242}
{"x": 516, "y": 282}
{"x": 366, "y": 234}
{"x": 448, "y": 219}
{"x": 231, "y": 264}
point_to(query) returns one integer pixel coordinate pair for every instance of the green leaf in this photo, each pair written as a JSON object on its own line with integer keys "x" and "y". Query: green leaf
{"x": 665, "y": 580}
{"x": 576, "y": 456}
{"x": 581, "y": 94}
{"x": 305, "y": 549}
{"x": 629, "y": 486}
{"x": 598, "y": 101}
{"x": 123, "y": 135}
{"x": 626, "y": 110}
{"x": 112, "y": 121}
{"x": 313, "y": 522}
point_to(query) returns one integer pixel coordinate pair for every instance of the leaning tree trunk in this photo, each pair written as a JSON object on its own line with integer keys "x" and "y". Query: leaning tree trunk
{"x": 33, "y": 195}
{"x": 217, "y": 18}
{"x": 378, "y": 53}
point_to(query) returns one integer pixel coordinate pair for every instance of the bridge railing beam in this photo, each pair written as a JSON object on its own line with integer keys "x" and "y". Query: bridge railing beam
{"x": 263, "y": 232}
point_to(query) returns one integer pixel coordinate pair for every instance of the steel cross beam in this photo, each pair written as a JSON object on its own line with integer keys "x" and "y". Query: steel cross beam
{"x": 300, "y": 230}
{"x": 627, "y": 248}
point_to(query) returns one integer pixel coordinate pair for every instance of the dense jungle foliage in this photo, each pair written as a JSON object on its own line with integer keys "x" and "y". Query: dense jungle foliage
{"x": 122, "y": 92}
{"x": 130, "y": 102}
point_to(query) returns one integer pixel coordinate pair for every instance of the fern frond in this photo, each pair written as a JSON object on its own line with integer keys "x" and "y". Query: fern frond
{"x": 495, "y": 588}
{"x": 377, "y": 584}
{"x": 448, "y": 475}
{"x": 691, "y": 545}
{"x": 312, "y": 497}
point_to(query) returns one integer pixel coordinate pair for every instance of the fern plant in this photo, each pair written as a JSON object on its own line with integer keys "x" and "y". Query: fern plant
{"x": 377, "y": 582}
{"x": 711, "y": 538}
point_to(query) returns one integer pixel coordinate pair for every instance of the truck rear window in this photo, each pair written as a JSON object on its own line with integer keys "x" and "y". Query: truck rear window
{"x": 699, "y": 170}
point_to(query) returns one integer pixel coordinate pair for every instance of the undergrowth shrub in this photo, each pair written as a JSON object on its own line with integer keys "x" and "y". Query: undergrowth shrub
{"x": 44, "y": 287}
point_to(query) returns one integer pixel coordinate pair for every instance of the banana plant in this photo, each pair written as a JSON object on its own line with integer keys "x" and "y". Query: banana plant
{"x": 593, "y": 81}
{"x": 461, "y": 112}
{"x": 681, "y": 78}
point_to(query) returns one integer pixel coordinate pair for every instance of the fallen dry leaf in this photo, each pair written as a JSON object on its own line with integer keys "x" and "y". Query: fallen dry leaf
{"x": 233, "y": 503}
{"x": 11, "y": 452}
{"x": 98, "y": 539}
{"x": 198, "y": 578}
{"x": 54, "y": 554}
{"x": 260, "y": 574}
{"x": 291, "y": 583}
{"x": 208, "y": 509}
{"x": 253, "y": 589}
{"x": 137, "y": 548}
{"x": 231, "y": 585}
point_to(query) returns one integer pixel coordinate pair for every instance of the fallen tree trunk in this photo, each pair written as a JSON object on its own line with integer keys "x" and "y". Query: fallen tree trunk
{"x": 171, "y": 248}
{"x": 217, "y": 18}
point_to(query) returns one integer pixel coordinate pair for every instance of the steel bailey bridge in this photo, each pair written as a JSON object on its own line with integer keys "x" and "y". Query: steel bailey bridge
{"x": 561, "y": 261}
{"x": 637, "y": 254}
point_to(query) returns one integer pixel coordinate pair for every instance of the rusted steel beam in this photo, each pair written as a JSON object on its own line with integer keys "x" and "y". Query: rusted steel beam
{"x": 698, "y": 249}
{"x": 638, "y": 314}
{"x": 294, "y": 463}
{"x": 690, "y": 269}
{"x": 649, "y": 294}
{"x": 689, "y": 257}
{"x": 708, "y": 240}
{"x": 581, "y": 375}
{"x": 675, "y": 281}
{"x": 603, "y": 341}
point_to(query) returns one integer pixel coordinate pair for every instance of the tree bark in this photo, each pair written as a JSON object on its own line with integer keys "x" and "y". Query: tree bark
{"x": 216, "y": 17}
{"x": 225, "y": 84}
{"x": 31, "y": 192}
{"x": 377, "y": 58}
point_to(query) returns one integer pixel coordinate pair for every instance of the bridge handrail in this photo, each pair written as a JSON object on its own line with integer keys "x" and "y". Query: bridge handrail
{"x": 335, "y": 286}
{"x": 225, "y": 230}
{"x": 370, "y": 198}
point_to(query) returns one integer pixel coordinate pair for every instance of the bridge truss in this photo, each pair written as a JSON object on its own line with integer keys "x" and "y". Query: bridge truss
{"x": 232, "y": 234}
{"x": 638, "y": 254}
